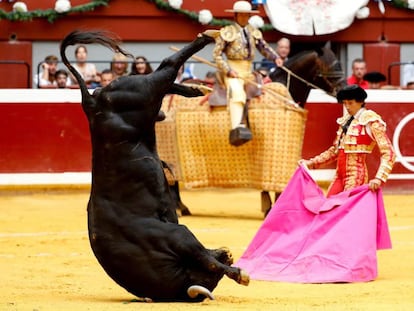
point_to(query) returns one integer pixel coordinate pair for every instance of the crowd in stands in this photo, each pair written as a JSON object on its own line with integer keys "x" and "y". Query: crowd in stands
{"x": 49, "y": 76}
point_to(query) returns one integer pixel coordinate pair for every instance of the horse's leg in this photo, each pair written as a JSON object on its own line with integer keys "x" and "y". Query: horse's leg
{"x": 277, "y": 195}
{"x": 266, "y": 202}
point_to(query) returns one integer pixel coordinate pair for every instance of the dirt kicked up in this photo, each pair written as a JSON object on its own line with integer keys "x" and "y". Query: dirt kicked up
{"x": 46, "y": 262}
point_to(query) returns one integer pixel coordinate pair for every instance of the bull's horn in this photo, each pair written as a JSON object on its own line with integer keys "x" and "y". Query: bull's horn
{"x": 195, "y": 290}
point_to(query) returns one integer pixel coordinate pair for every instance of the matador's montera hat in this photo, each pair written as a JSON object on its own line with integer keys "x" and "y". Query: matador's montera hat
{"x": 352, "y": 91}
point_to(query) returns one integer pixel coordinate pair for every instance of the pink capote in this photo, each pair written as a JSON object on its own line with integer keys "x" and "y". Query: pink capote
{"x": 308, "y": 238}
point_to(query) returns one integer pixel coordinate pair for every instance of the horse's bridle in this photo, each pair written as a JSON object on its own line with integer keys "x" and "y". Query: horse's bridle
{"x": 330, "y": 74}
{"x": 325, "y": 75}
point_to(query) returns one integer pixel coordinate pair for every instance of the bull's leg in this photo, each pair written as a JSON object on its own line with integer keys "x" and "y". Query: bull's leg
{"x": 237, "y": 274}
{"x": 212, "y": 269}
{"x": 175, "y": 189}
{"x": 184, "y": 90}
{"x": 176, "y": 60}
{"x": 223, "y": 255}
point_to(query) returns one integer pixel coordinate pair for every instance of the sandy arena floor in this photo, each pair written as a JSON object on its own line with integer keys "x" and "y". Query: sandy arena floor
{"x": 46, "y": 262}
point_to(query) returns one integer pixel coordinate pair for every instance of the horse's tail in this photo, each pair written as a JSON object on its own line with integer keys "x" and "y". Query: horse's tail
{"x": 104, "y": 38}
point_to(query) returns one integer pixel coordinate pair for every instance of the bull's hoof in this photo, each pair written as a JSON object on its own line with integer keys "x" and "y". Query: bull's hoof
{"x": 244, "y": 278}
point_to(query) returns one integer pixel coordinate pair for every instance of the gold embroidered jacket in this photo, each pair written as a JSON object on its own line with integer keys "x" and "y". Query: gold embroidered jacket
{"x": 365, "y": 131}
{"x": 233, "y": 44}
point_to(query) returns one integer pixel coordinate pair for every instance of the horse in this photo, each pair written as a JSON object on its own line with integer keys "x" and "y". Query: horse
{"x": 316, "y": 68}
{"x": 193, "y": 138}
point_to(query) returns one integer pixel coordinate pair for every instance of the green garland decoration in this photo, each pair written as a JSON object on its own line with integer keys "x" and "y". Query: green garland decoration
{"x": 50, "y": 14}
{"x": 402, "y": 4}
{"x": 163, "y": 5}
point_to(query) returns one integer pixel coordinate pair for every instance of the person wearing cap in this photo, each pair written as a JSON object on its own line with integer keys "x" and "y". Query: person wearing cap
{"x": 233, "y": 54}
{"x": 374, "y": 79}
{"x": 359, "y": 130}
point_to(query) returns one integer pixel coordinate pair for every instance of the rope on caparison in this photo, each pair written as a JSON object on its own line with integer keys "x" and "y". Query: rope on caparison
{"x": 271, "y": 92}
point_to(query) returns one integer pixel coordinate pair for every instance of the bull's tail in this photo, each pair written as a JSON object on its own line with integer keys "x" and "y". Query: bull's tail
{"x": 104, "y": 38}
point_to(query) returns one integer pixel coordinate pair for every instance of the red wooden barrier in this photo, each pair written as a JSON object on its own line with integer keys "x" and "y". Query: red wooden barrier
{"x": 45, "y": 131}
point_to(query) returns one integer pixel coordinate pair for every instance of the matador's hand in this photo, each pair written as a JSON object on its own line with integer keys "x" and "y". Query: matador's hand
{"x": 306, "y": 163}
{"x": 374, "y": 184}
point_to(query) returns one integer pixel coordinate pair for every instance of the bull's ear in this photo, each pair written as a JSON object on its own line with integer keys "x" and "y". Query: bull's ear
{"x": 328, "y": 45}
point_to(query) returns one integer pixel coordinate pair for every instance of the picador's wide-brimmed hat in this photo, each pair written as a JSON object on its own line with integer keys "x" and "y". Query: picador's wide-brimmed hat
{"x": 374, "y": 77}
{"x": 242, "y": 7}
{"x": 352, "y": 91}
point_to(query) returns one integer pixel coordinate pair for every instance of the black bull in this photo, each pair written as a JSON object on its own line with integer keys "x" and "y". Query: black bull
{"x": 132, "y": 222}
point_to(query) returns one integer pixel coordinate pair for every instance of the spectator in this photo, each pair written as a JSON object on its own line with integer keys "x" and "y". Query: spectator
{"x": 46, "y": 77}
{"x": 188, "y": 73}
{"x": 107, "y": 76}
{"x": 282, "y": 49}
{"x": 86, "y": 70}
{"x": 359, "y": 69}
{"x": 141, "y": 66}
{"x": 374, "y": 79}
{"x": 61, "y": 78}
{"x": 119, "y": 65}
{"x": 210, "y": 78}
